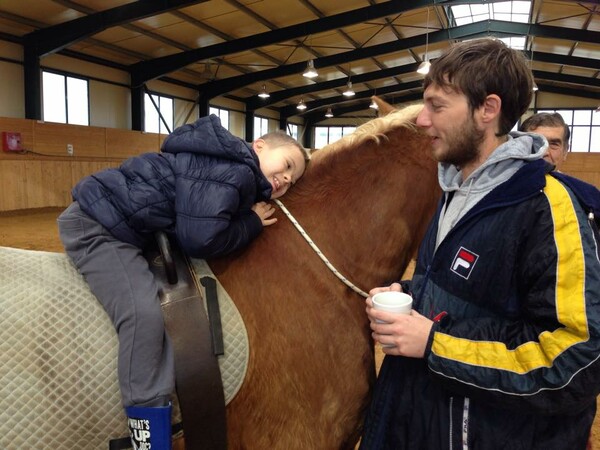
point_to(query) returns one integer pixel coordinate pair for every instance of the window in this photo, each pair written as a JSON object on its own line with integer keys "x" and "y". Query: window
{"x": 292, "y": 130}
{"x": 584, "y": 125}
{"x": 327, "y": 135}
{"x": 152, "y": 120}
{"x": 66, "y": 99}
{"x": 510, "y": 11}
{"x": 261, "y": 126}
{"x": 222, "y": 114}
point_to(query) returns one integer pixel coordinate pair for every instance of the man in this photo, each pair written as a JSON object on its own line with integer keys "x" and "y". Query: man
{"x": 555, "y": 130}
{"x": 502, "y": 348}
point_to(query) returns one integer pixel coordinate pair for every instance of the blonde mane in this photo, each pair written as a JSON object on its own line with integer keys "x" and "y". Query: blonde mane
{"x": 375, "y": 129}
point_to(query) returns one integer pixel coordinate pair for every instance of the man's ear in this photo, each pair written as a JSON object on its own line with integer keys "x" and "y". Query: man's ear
{"x": 490, "y": 110}
{"x": 258, "y": 145}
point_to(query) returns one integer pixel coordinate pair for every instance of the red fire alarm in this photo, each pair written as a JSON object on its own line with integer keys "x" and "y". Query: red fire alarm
{"x": 11, "y": 142}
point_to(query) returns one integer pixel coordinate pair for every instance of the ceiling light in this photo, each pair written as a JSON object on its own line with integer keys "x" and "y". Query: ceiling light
{"x": 535, "y": 87}
{"x": 329, "y": 113}
{"x": 424, "y": 67}
{"x": 263, "y": 92}
{"x": 374, "y": 105}
{"x": 301, "y": 105}
{"x": 310, "y": 71}
{"x": 349, "y": 92}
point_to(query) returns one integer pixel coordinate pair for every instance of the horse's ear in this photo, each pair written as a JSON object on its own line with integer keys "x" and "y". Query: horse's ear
{"x": 384, "y": 107}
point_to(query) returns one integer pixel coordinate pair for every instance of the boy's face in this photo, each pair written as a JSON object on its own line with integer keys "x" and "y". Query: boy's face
{"x": 282, "y": 165}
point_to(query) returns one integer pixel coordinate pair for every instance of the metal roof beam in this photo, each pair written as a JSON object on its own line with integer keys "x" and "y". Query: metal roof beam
{"x": 54, "y": 38}
{"x": 470, "y": 31}
{"x": 254, "y": 102}
{"x": 563, "y": 78}
{"x": 575, "y": 92}
{"x": 288, "y": 111}
{"x": 148, "y": 70}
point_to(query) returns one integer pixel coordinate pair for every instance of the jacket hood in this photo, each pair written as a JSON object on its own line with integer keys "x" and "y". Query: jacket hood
{"x": 207, "y": 137}
{"x": 500, "y": 165}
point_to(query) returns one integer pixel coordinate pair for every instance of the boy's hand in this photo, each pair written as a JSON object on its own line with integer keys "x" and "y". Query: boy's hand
{"x": 264, "y": 211}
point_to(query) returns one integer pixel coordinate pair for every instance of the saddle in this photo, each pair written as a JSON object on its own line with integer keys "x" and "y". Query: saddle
{"x": 197, "y": 340}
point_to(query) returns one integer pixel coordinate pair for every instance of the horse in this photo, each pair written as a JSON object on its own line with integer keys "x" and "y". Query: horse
{"x": 363, "y": 203}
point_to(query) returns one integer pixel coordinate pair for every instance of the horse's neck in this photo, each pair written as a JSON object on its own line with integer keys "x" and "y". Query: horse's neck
{"x": 363, "y": 222}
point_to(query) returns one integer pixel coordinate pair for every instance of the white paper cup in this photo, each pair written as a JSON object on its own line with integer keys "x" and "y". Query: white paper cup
{"x": 392, "y": 301}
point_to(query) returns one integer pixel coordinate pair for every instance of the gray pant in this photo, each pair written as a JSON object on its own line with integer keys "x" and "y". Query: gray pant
{"x": 120, "y": 278}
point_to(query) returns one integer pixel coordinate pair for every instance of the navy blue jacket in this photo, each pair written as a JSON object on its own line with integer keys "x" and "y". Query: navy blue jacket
{"x": 201, "y": 188}
{"x": 515, "y": 363}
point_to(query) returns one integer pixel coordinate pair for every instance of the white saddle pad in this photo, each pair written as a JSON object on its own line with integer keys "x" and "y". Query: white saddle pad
{"x": 58, "y": 355}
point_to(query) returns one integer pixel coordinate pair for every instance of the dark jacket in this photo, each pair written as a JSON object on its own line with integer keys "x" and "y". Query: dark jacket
{"x": 201, "y": 187}
{"x": 515, "y": 362}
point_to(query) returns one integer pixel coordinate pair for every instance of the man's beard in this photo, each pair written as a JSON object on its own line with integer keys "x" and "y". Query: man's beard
{"x": 463, "y": 144}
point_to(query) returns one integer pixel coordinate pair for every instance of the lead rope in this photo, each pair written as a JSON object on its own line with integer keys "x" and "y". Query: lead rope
{"x": 305, "y": 235}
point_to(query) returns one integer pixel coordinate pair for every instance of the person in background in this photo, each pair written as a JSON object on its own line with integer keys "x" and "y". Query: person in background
{"x": 553, "y": 127}
{"x": 208, "y": 189}
{"x": 502, "y": 348}
{"x": 555, "y": 130}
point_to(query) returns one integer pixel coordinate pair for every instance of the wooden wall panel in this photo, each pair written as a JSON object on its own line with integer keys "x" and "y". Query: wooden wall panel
{"x": 33, "y": 181}
{"x": 585, "y": 166}
{"x": 126, "y": 143}
{"x": 45, "y": 174}
{"x": 14, "y": 185}
{"x": 52, "y": 139}
{"x": 80, "y": 169}
{"x": 39, "y": 183}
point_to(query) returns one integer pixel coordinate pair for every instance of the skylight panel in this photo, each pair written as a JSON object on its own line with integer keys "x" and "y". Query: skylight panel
{"x": 517, "y": 42}
{"x": 461, "y": 10}
{"x": 477, "y": 10}
{"x": 503, "y": 7}
{"x": 520, "y": 7}
{"x": 509, "y": 11}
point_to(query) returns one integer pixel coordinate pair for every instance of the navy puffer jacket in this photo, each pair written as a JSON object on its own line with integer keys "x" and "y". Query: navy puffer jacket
{"x": 201, "y": 187}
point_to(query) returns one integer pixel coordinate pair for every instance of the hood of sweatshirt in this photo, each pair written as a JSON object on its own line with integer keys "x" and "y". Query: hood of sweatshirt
{"x": 502, "y": 164}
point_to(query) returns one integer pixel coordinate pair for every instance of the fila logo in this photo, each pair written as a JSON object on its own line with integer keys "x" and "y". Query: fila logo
{"x": 463, "y": 263}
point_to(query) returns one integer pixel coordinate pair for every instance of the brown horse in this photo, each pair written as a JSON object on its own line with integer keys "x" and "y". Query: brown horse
{"x": 365, "y": 201}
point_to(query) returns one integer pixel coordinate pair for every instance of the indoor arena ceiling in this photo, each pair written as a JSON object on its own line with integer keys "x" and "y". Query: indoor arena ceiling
{"x": 237, "y": 48}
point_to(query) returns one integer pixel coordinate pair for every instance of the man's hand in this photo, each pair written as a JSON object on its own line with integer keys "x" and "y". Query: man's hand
{"x": 264, "y": 211}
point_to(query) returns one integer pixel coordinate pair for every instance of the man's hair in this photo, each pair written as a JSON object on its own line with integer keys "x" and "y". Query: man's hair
{"x": 279, "y": 138}
{"x": 547, "y": 120}
{"x": 482, "y": 67}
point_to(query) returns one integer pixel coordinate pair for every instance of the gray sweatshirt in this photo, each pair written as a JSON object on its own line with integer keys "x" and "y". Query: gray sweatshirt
{"x": 502, "y": 164}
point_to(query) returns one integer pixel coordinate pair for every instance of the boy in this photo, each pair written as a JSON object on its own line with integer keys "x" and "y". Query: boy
{"x": 208, "y": 189}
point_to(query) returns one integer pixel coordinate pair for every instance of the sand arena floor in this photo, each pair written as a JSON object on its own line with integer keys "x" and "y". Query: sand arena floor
{"x": 37, "y": 230}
